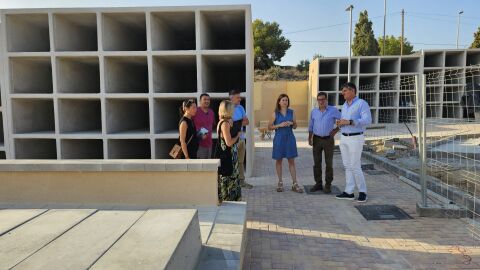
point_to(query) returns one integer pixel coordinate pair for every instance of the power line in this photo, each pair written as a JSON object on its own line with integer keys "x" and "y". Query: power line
{"x": 435, "y": 19}
{"x": 345, "y": 41}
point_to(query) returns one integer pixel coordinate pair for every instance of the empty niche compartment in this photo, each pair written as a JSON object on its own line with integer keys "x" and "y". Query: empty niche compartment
{"x": 370, "y": 98}
{"x": 407, "y": 116}
{"x": 389, "y": 65}
{"x": 407, "y": 99}
{"x": 78, "y": 75}
{"x": 355, "y": 65}
{"x": 33, "y": 116}
{"x": 129, "y": 149}
{"x": 126, "y": 74}
{"x": 173, "y": 30}
{"x": 341, "y": 99}
{"x": 387, "y": 116}
{"x": 454, "y": 76}
{"x": 433, "y": 59}
{"x": 81, "y": 149}
{"x": 410, "y": 64}
{"x": 75, "y": 32}
{"x": 473, "y": 58}
{"x": 434, "y": 111}
{"x": 389, "y": 83}
{"x": 452, "y": 111}
{"x": 434, "y": 77}
{"x": 434, "y": 94}
{"x": 215, "y": 104}
{"x": 124, "y": 32}
{"x": 175, "y": 74}
{"x": 455, "y": 59}
{"x": 332, "y": 99}
{"x": 328, "y": 66}
{"x": 27, "y": 33}
{"x": 407, "y": 83}
{"x": 343, "y": 66}
{"x": 368, "y": 83}
{"x": 167, "y": 114}
{"x": 388, "y": 99}
{"x": 222, "y": 29}
{"x": 341, "y": 82}
{"x": 222, "y": 73}
{"x": 35, "y": 149}
{"x": 2, "y": 138}
{"x": 326, "y": 84}
{"x": 80, "y": 115}
{"x": 369, "y": 65}
{"x": 373, "y": 114}
{"x": 127, "y": 116}
{"x": 31, "y": 75}
{"x": 2, "y": 155}
{"x": 472, "y": 76}
{"x": 452, "y": 93}
{"x": 163, "y": 147}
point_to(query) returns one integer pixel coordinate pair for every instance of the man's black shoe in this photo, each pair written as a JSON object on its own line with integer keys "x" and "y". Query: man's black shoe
{"x": 362, "y": 197}
{"x": 345, "y": 196}
{"x": 316, "y": 187}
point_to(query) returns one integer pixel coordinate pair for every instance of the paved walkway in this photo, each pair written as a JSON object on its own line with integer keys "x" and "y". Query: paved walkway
{"x": 299, "y": 231}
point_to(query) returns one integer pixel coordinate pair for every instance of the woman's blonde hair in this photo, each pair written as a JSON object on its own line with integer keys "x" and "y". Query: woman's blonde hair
{"x": 225, "y": 111}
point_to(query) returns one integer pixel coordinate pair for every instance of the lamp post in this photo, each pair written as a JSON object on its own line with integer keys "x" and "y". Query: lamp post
{"x": 350, "y": 8}
{"x": 458, "y": 26}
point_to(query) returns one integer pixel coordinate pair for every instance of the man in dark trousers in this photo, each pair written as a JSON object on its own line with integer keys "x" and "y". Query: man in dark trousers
{"x": 321, "y": 131}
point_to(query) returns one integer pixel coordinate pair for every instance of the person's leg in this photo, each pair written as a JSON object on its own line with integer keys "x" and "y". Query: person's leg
{"x": 317, "y": 164}
{"x": 345, "y": 149}
{"x": 278, "y": 167}
{"x": 329, "y": 146}
{"x": 293, "y": 173}
{"x": 241, "y": 161}
{"x": 356, "y": 162}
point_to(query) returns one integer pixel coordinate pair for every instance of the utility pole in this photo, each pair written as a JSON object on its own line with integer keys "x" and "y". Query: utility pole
{"x": 384, "y": 24}
{"x": 401, "y": 44}
{"x": 458, "y": 26}
{"x": 350, "y": 8}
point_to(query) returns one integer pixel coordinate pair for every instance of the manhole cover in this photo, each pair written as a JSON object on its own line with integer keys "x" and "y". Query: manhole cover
{"x": 375, "y": 172}
{"x": 335, "y": 190}
{"x": 382, "y": 212}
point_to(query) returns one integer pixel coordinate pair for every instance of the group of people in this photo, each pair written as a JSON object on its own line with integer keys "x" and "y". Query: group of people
{"x": 196, "y": 127}
{"x": 325, "y": 121}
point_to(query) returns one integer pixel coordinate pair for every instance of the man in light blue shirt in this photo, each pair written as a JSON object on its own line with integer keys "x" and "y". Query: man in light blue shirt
{"x": 321, "y": 132}
{"x": 356, "y": 116}
{"x": 239, "y": 114}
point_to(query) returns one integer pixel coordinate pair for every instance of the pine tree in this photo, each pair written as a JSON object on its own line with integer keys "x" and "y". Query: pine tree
{"x": 476, "y": 39}
{"x": 364, "y": 42}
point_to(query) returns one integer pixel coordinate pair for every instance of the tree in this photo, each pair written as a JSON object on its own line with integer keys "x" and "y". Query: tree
{"x": 269, "y": 44}
{"x": 393, "y": 44}
{"x": 317, "y": 55}
{"x": 364, "y": 42}
{"x": 303, "y": 65}
{"x": 476, "y": 39}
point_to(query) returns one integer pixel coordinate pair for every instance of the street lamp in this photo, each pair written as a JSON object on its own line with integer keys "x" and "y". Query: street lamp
{"x": 458, "y": 26}
{"x": 350, "y": 8}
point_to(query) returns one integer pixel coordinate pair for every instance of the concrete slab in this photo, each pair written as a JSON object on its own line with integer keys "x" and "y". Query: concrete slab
{"x": 11, "y": 218}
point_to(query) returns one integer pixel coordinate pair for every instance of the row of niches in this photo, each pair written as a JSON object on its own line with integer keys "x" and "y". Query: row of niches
{"x": 93, "y": 148}
{"x": 84, "y": 116}
{"x": 370, "y": 65}
{"x": 128, "y": 74}
{"x": 440, "y": 59}
{"x": 125, "y": 31}
{"x": 381, "y": 100}
{"x": 368, "y": 82}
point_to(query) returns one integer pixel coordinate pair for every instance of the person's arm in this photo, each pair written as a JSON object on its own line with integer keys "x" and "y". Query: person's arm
{"x": 183, "y": 142}
{"x": 227, "y": 136}
{"x": 365, "y": 116}
{"x": 245, "y": 121}
{"x": 337, "y": 115}
{"x": 310, "y": 130}
{"x": 294, "y": 123}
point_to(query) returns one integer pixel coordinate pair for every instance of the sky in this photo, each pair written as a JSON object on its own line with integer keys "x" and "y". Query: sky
{"x": 322, "y": 26}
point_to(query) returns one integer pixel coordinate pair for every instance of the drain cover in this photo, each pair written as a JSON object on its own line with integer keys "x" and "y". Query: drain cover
{"x": 335, "y": 190}
{"x": 382, "y": 212}
{"x": 375, "y": 172}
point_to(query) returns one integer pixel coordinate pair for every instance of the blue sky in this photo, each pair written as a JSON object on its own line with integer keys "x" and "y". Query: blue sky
{"x": 428, "y": 23}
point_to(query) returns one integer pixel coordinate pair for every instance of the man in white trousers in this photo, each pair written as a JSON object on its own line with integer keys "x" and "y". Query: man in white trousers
{"x": 355, "y": 118}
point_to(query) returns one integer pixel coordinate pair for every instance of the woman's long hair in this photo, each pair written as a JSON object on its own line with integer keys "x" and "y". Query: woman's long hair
{"x": 277, "y": 106}
{"x": 185, "y": 105}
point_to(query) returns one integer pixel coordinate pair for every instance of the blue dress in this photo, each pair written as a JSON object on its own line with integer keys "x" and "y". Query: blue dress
{"x": 284, "y": 142}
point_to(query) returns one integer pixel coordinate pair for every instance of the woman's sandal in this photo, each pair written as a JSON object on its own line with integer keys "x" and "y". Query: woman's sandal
{"x": 296, "y": 188}
{"x": 280, "y": 187}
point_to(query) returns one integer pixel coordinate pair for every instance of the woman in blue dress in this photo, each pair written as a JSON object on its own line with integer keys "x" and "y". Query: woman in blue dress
{"x": 283, "y": 121}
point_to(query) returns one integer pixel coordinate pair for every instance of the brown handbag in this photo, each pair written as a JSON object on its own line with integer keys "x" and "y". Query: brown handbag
{"x": 176, "y": 152}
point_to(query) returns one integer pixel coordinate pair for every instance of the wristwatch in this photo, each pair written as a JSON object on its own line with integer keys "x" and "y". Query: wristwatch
{"x": 351, "y": 123}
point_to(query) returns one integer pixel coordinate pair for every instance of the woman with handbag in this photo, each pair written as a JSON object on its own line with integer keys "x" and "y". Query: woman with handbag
{"x": 188, "y": 133}
{"x": 226, "y": 150}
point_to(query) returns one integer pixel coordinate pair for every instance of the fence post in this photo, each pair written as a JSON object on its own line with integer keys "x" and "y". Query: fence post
{"x": 421, "y": 126}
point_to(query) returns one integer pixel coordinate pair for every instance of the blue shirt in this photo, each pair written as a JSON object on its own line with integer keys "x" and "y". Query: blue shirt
{"x": 359, "y": 112}
{"x": 322, "y": 123}
{"x": 238, "y": 114}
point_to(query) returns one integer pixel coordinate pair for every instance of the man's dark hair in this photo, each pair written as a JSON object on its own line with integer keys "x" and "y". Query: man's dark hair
{"x": 322, "y": 94}
{"x": 350, "y": 85}
{"x": 234, "y": 92}
{"x": 204, "y": 95}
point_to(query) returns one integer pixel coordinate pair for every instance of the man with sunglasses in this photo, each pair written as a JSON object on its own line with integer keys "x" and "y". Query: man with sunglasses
{"x": 321, "y": 131}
